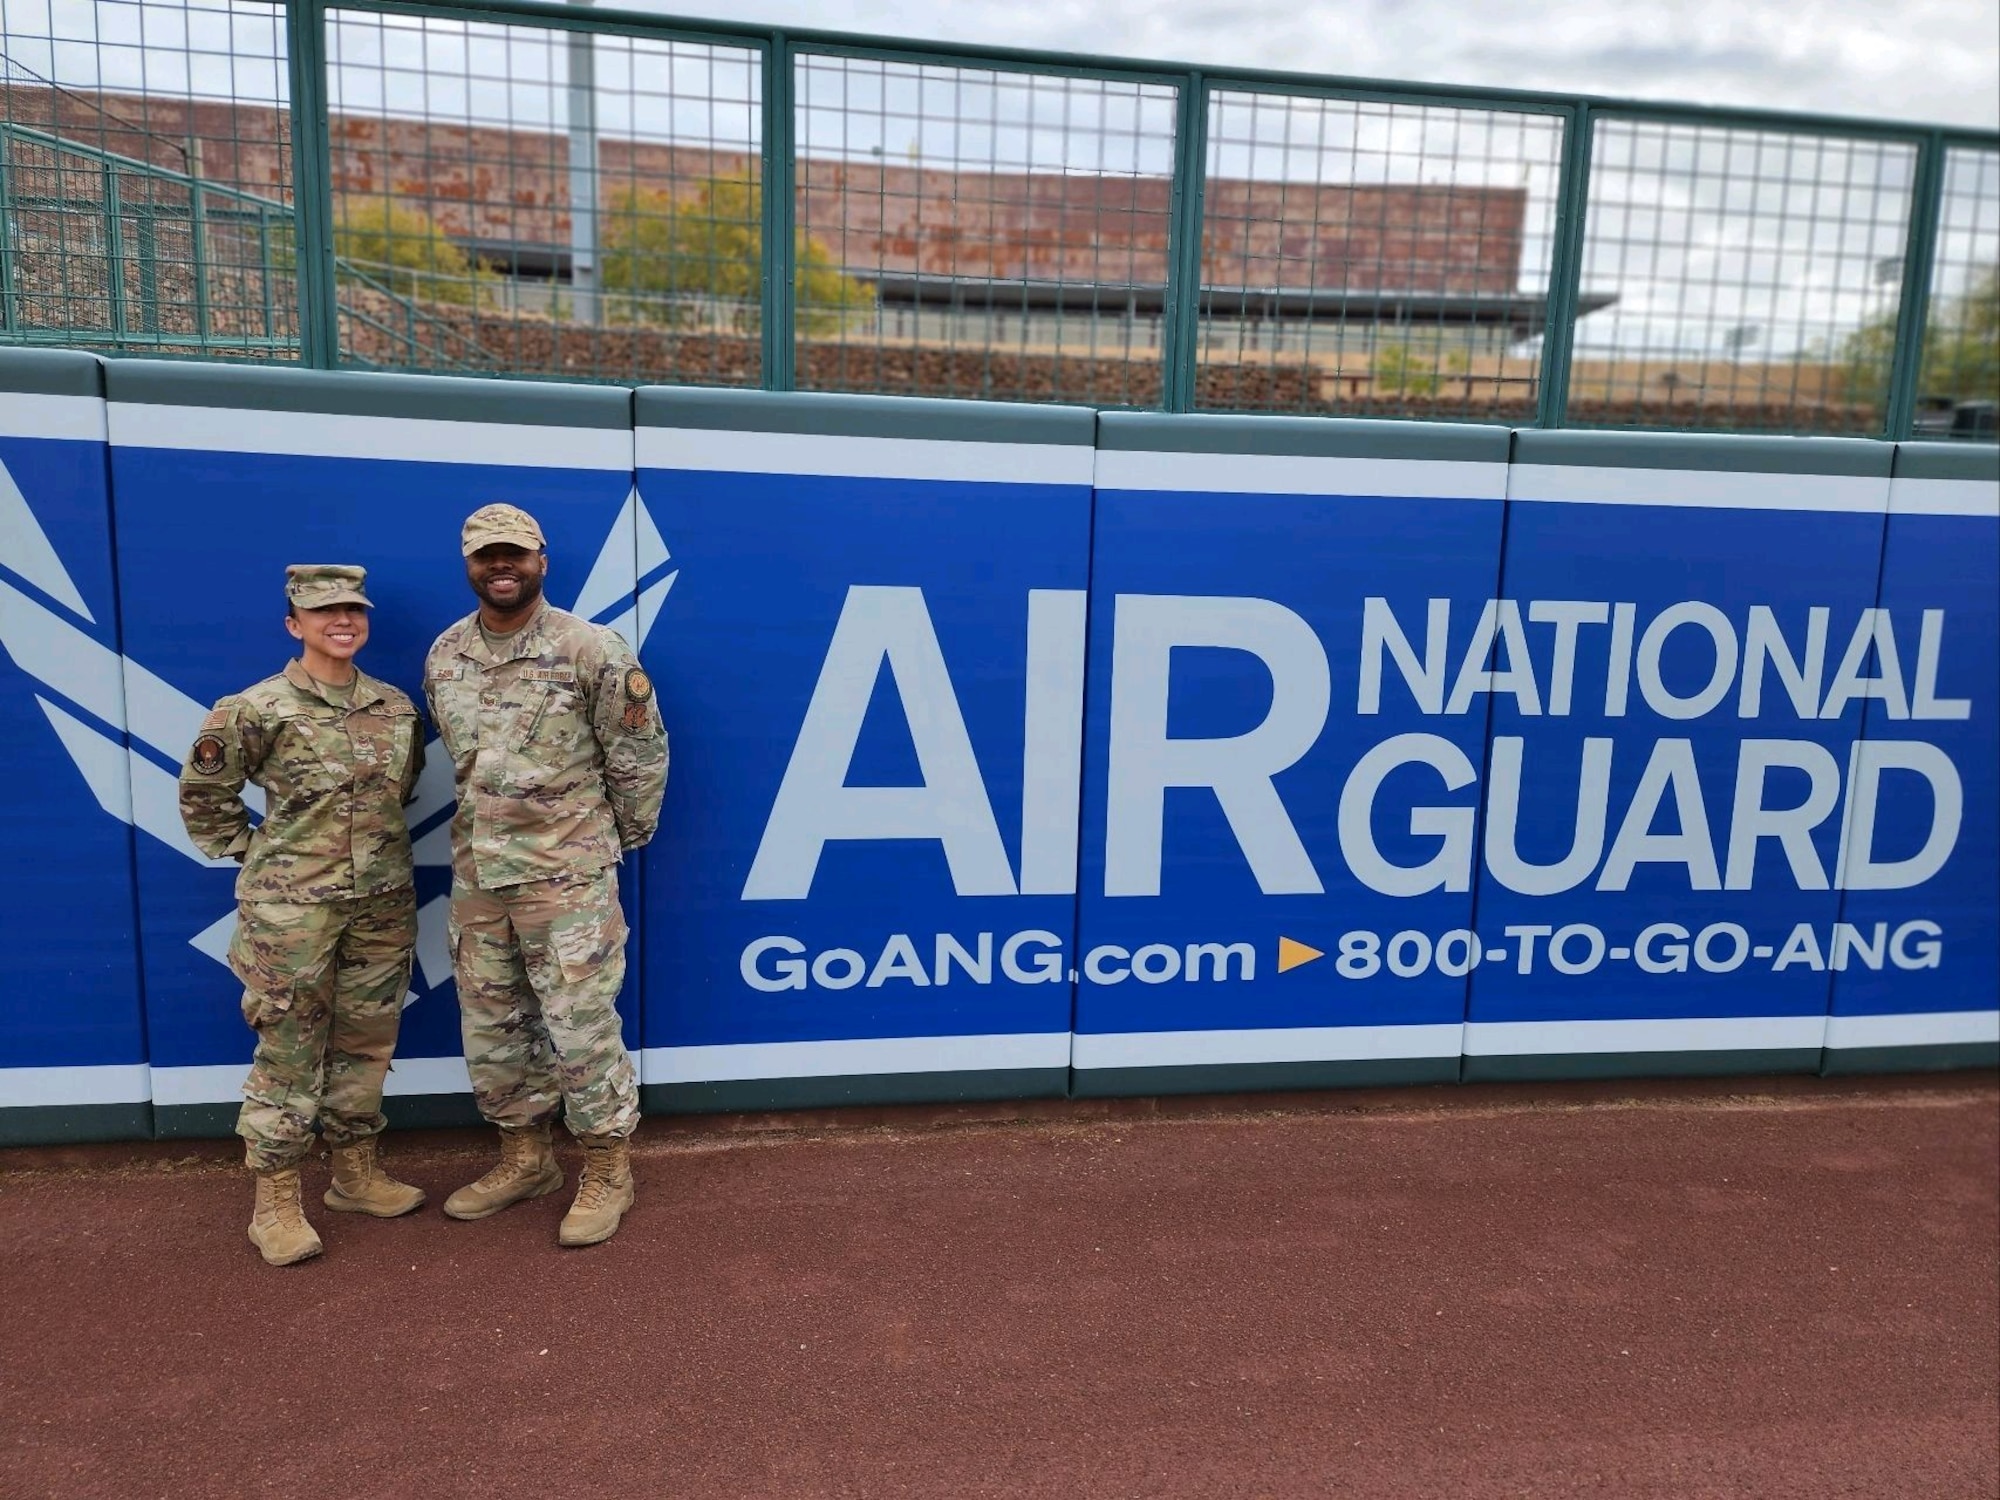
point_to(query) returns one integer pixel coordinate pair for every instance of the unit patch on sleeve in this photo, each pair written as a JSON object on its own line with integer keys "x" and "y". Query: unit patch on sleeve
{"x": 208, "y": 755}
{"x": 638, "y": 692}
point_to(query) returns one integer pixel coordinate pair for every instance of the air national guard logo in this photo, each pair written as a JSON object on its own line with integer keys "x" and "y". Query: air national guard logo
{"x": 139, "y": 789}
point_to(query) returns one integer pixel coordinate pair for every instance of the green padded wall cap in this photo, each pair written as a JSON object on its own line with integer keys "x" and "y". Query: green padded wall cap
{"x": 51, "y": 372}
{"x": 356, "y": 393}
{"x": 1730, "y": 453}
{"x": 1973, "y": 461}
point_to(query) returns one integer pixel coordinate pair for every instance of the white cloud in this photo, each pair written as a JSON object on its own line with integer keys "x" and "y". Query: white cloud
{"x": 1927, "y": 60}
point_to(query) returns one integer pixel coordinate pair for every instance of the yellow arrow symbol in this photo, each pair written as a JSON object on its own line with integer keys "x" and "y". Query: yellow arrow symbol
{"x": 1292, "y": 953}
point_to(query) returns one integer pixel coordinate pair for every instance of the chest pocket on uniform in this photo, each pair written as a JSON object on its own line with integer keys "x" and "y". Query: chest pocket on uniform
{"x": 457, "y": 700}
{"x": 548, "y": 721}
{"x": 316, "y": 754}
{"x": 390, "y": 736}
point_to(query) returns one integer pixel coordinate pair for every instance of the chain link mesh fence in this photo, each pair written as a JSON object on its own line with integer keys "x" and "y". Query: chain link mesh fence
{"x": 1958, "y": 382}
{"x": 1374, "y": 258}
{"x": 529, "y": 200}
{"x": 973, "y": 232}
{"x": 1744, "y": 268}
{"x": 146, "y": 176}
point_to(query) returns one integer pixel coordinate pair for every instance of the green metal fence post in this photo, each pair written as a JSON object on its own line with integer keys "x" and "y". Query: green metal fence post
{"x": 1906, "y": 373}
{"x": 147, "y": 225}
{"x": 264, "y": 261}
{"x": 779, "y": 229}
{"x": 8, "y": 292}
{"x": 312, "y": 187}
{"x": 1182, "y": 334}
{"x": 198, "y": 238}
{"x": 114, "y": 250}
{"x": 1565, "y": 268}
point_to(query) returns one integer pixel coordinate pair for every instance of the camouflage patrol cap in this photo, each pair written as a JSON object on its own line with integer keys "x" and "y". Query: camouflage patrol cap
{"x": 322, "y": 585}
{"x": 500, "y": 526}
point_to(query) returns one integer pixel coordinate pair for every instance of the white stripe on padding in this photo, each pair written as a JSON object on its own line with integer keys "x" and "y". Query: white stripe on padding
{"x": 213, "y": 1084}
{"x": 1276, "y": 1044}
{"x": 1700, "y": 489}
{"x": 116, "y": 1083}
{"x": 1678, "y": 1034}
{"x": 856, "y": 1057}
{"x": 863, "y": 457}
{"x": 1944, "y": 497}
{"x": 223, "y": 1083}
{"x": 1921, "y": 1029}
{"x": 74, "y": 418}
{"x": 217, "y": 429}
{"x": 1299, "y": 474}
{"x": 428, "y": 1075}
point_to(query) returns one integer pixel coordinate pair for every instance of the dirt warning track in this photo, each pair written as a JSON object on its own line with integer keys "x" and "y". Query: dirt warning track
{"x": 1461, "y": 1292}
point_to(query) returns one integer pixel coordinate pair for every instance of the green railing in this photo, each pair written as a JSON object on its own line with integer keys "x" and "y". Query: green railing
{"x": 133, "y": 253}
{"x": 131, "y": 217}
{"x": 510, "y": 187}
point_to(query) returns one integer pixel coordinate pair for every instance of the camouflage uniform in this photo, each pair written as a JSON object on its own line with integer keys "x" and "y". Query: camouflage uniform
{"x": 560, "y": 760}
{"x": 326, "y": 915}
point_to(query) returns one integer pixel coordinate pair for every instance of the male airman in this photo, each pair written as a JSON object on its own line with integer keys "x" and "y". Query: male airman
{"x": 561, "y": 760}
{"x": 326, "y": 916}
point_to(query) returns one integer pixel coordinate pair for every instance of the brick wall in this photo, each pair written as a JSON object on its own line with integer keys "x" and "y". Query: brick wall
{"x": 244, "y": 146}
{"x": 496, "y": 186}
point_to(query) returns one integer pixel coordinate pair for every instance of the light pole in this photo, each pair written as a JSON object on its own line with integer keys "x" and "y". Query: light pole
{"x": 583, "y": 174}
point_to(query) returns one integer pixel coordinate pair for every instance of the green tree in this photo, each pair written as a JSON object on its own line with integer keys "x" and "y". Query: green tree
{"x": 1961, "y": 360}
{"x": 1404, "y": 371}
{"x": 404, "y": 249}
{"x": 1962, "y": 349}
{"x": 655, "y": 246}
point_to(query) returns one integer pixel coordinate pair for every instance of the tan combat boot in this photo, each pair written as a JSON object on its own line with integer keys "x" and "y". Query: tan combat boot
{"x": 278, "y": 1226}
{"x": 360, "y": 1186}
{"x": 604, "y": 1193}
{"x": 527, "y": 1169}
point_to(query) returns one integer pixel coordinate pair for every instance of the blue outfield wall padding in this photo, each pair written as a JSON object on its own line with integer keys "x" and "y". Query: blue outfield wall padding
{"x": 222, "y": 476}
{"x": 72, "y": 1032}
{"x": 1676, "y": 699}
{"x": 869, "y": 654}
{"x": 1916, "y": 979}
{"x": 1260, "y": 907}
{"x": 1022, "y": 749}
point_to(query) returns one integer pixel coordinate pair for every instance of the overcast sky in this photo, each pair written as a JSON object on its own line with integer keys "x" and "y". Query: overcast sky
{"x": 1928, "y": 60}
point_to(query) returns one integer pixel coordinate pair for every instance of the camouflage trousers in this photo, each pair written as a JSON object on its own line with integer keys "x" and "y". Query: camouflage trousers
{"x": 323, "y": 989}
{"x": 539, "y": 969}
